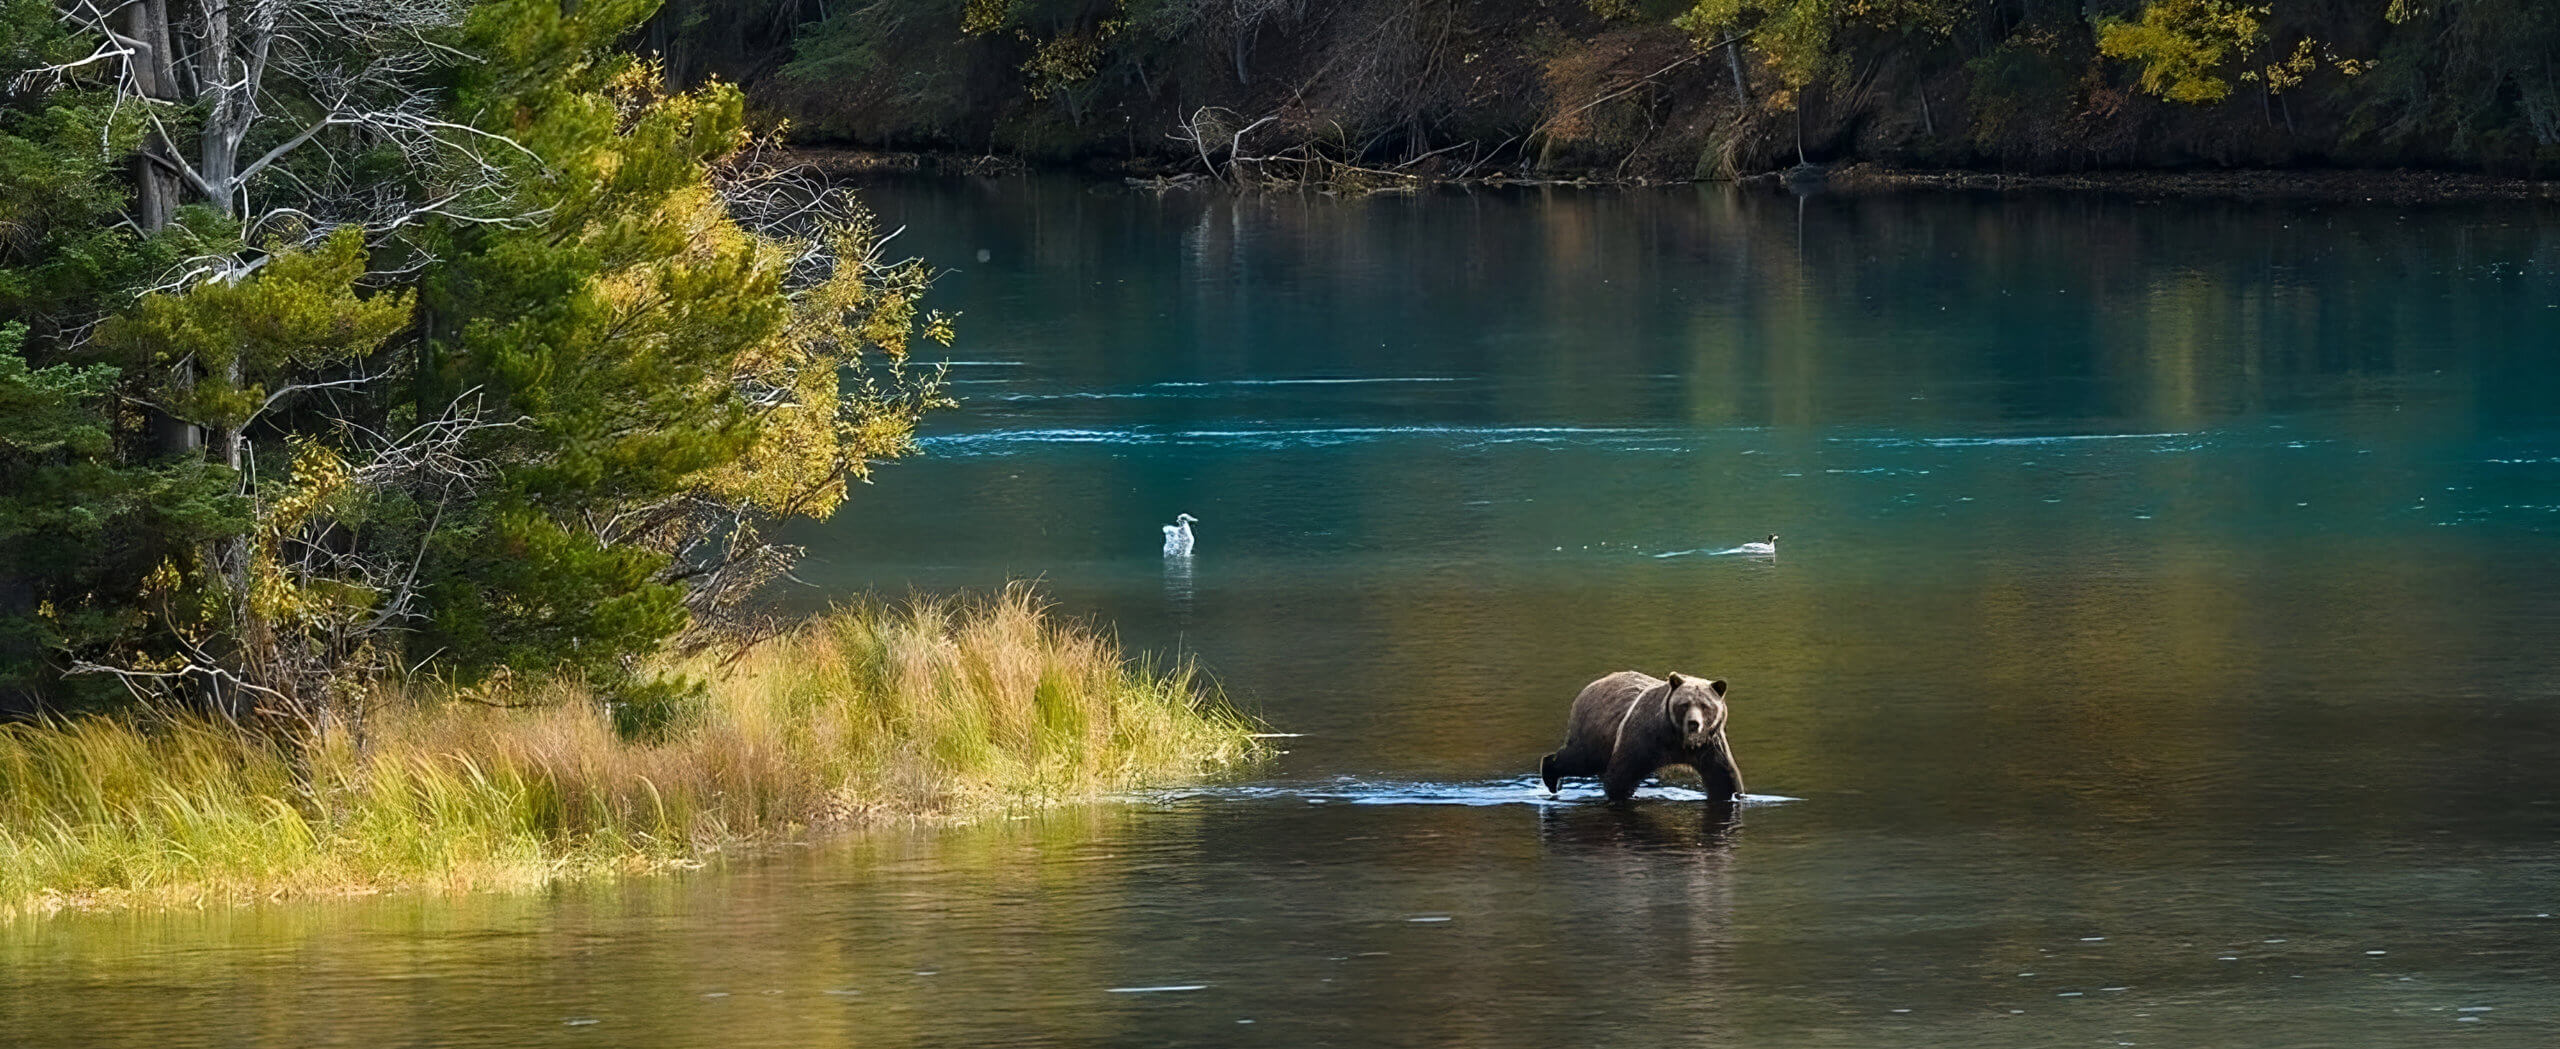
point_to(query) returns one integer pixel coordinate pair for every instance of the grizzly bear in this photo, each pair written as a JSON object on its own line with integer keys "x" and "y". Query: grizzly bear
{"x": 1626, "y": 725}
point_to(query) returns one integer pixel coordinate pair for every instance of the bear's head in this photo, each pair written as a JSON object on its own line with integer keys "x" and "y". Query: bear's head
{"x": 1696, "y": 707}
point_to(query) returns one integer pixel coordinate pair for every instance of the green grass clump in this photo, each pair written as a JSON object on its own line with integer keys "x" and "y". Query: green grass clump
{"x": 937, "y": 707}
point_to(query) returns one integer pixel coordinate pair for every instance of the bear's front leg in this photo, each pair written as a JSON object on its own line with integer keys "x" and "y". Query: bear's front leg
{"x": 1621, "y": 780}
{"x": 1716, "y": 769}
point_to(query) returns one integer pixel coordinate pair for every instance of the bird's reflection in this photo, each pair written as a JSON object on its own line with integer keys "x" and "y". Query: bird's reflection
{"x": 1177, "y": 588}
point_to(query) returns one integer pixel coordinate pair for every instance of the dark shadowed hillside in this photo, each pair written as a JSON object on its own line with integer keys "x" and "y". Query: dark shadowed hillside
{"x": 1653, "y": 88}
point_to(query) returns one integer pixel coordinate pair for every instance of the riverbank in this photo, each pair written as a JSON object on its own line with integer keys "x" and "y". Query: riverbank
{"x": 936, "y": 709}
{"x": 2403, "y": 185}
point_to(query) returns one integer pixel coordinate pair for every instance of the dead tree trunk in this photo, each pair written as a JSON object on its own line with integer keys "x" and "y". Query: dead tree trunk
{"x": 155, "y": 185}
{"x": 156, "y": 189}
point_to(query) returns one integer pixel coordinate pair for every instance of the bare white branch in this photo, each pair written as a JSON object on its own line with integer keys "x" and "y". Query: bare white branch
{"x": 288, "y": 94}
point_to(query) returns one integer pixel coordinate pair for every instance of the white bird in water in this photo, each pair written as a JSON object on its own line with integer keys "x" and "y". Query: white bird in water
{"x": 1769, "y": 546}
{"x": 1177, "y": 536}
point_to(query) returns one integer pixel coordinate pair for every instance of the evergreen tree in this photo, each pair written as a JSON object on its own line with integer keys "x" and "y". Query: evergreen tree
{"x": 537, "y": 418}
{"x": 78, "y": 529}
{"x": 87, "y": 513}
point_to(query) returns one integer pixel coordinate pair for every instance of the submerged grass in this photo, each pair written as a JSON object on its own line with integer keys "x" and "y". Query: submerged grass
{"x": 937, "y": 707}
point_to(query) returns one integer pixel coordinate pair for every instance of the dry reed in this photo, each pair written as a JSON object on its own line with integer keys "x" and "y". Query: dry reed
{"x": 937, "y": 707}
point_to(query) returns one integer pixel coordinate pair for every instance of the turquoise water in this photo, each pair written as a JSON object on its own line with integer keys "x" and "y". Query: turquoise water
{"x": 2158, "y": 651}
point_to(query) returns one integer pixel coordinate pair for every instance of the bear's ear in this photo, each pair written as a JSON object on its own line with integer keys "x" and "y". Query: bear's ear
{"x": 1677, "y": 681}
{"x": 1716, "y": 687}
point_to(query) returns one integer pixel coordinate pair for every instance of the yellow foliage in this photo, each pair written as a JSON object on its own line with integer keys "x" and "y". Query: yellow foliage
{"x": 835, "y": 389}
{"x": 2184, "y": 44}
{"x": 281, "y": 597}
{"x": 1068, "y": 59}
{"x": 981, "y": 17}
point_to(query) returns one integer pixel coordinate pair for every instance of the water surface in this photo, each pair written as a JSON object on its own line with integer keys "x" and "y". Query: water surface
{"x": 2158, "y": 651}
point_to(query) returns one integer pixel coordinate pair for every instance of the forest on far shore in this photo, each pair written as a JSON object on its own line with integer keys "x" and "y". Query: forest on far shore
{"x": 1649, "y": 88}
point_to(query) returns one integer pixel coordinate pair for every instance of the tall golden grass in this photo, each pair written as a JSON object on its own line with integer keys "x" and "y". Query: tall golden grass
{"x": 935, "y": 707}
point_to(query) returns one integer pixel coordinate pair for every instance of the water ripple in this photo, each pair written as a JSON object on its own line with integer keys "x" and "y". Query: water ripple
{"x": 1006, "y": 442}
{"x": 1349, "y": 790}
{"x": 1985, "y": 442}
{"x": 1309, "y": 382}
{"x": 1726, "y": 552}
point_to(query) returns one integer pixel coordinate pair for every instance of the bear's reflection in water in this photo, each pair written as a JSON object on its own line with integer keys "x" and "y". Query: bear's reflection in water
{"x": 1655, "y": 881}
{"x": 1658, "y": 826}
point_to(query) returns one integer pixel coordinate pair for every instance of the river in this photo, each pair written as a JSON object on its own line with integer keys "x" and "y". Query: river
{"x": 2159, "y": 651}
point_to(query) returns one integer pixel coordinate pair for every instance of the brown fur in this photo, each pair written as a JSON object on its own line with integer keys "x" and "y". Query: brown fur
{"x": 1627, "y": 725}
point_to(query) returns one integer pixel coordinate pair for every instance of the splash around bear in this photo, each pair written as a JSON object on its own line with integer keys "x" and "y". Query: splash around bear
{"x": 1627, "y": 725}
